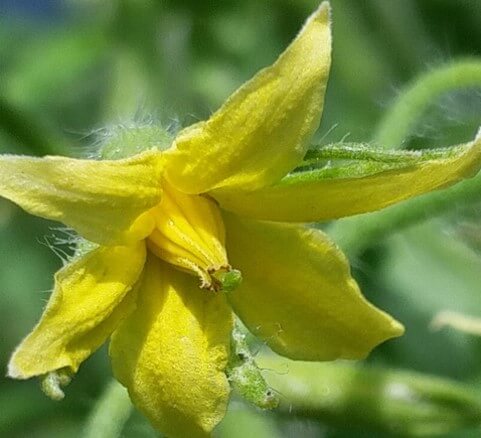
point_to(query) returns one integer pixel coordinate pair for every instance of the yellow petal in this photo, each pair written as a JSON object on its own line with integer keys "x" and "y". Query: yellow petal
{"x": 262, "y": 131}
{"x": 102, "y": 200}
{"x": 304, "y": 198}
{"x": 90, "y": 298}
{"x": 298, "y": 295}
{"x": 172, "y": 351}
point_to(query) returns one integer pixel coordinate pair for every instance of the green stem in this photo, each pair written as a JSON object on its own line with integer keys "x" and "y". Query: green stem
{"x": 411, "y": 103}
{"x": 372, "y": 398}
{"x": 110, "y": 413}
{"x": 355, "y": 234}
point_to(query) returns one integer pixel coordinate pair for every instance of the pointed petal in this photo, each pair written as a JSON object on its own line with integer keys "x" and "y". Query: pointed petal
{"x": 298, "y": 295}
{"x": 263, "y": 129}
{"x": 101, "y": 200}
{"x": 172, "y": 351}
{"x": 310, "y": 197}
{"x": 90, "y": 298}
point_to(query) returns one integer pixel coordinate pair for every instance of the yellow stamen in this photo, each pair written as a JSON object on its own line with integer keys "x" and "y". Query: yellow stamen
{"x": 189, "y": 233}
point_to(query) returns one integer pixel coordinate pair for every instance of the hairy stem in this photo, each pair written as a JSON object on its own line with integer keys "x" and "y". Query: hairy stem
{"x": 411, "y": 103}
{"x": 356, "y": 233}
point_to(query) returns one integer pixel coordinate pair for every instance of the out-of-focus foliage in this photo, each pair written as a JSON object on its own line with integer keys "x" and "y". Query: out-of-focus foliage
{"x": 68, "y": 69}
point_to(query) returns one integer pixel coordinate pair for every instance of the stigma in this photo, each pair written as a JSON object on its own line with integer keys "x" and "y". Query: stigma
{"x": 189, "y": 233}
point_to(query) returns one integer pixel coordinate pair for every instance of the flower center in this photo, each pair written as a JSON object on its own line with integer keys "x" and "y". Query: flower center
{"x": 190, "y": 234}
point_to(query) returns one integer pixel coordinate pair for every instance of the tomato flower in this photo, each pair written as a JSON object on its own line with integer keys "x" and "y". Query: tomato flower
{"x": 173, "y": 231}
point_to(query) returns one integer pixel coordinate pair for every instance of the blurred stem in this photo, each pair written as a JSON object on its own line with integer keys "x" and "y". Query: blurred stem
{"x": 458, "y": 321}
{"x": 27, "y": 132}
{"x": 356, "y": 233}
{"x": 376, "y": 399}
{"x": 241, "y": 421}
{"x": 359, "y": 47}
{"x": 409, "y": 106}
{"x": 403, "y": 26}
{"x": 137, "y": 62}
{"x": 110, "y": 413}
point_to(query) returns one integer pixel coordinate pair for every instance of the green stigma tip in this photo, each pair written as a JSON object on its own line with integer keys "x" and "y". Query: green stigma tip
{"x": 230, "y": 280}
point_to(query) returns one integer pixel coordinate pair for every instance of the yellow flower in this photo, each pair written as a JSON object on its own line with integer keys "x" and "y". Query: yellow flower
{"x": 169, "y": 227}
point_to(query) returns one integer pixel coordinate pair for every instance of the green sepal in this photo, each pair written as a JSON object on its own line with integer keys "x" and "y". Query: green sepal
{"x": 245, "y": 376}
{"x": 357, "y": 160}
{"x": 123, "y": 141}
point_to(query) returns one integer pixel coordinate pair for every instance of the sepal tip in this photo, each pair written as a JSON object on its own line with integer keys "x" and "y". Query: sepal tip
{"x": 52, "y": 383}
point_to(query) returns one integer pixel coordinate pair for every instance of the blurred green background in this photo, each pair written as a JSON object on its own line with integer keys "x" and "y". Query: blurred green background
{"x": 69, "y": 69}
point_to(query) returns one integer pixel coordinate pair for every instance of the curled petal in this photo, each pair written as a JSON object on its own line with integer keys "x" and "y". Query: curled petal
{"x": 171, "y": 353}
{"x": 263, "y": 129}
{"x": 298, "y": 294}
{"x": 91, "y": 296}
